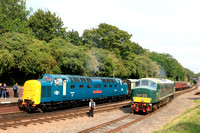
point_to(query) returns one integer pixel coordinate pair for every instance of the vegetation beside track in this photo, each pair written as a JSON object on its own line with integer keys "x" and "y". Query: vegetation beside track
{"x": 189, "y": 122}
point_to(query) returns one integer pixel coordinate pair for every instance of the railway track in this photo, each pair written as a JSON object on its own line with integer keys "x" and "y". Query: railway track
{"x": 22, "y": 118}
{"x": 127, "y": 120}
{"x": 8, "y": 104}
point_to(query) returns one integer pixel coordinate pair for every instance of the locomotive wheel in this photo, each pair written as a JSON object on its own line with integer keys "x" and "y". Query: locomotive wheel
{"x": 149, "y": 110}
{"x": 29, "y": 109}
{"x": 20, "y": 104}
{"x": 133, "y": 111}
{"x": 155, "y": 107}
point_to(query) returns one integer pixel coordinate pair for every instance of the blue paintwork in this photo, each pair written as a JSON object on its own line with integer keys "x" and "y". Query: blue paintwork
{"x": 78, "y": 93}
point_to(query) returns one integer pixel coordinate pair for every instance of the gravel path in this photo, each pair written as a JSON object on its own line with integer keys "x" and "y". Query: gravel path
{"x": 150, "y": 124}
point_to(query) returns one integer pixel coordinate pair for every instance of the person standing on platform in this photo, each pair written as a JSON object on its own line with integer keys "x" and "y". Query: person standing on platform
{"x": 1, "y": 88}
{"x": 4, "y": 90}
{"x": 91, "y": 108}
{"x": 15, "y": 88}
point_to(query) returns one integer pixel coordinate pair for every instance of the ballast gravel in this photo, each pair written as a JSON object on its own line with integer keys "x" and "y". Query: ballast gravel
{"x": 148, "y": 125}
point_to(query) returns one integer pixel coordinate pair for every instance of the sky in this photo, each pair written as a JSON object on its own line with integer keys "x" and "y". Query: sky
{"x": 163, "y": 26}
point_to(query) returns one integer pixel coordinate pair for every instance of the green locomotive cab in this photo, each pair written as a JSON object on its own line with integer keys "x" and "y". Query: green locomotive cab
{"x": 151, "y": 93}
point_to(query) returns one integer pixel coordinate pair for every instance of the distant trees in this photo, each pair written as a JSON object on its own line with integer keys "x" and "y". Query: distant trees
{"x": 74, "y": 37}
{"x": 118, "y": 42}
{"x": 70, "y": 59}
{"x": 169, "y": 66}
{"x": 111, "y": 38}
{"x": 13, "y": 16}
{"x": 23, "y": 57}
{"x": 46, "y": 25}
{"x": 189, "y": 74}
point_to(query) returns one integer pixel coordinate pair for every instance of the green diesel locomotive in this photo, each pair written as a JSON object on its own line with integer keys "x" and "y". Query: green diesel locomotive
{"x": 151, "y": 93}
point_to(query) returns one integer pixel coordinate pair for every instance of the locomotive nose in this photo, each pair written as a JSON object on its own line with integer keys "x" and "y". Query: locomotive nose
{"x": 32, "y": 89}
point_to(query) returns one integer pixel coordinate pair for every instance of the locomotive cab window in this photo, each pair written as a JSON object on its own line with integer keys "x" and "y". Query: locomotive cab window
{"x": 105, "y": 86}
{"x": 47, "y": 78}
{"x": 81, "y": 86}
{"x": 144, "y": 83}
{"x": 152, "y": 84}
{"x": 137, "y": 84}
{"x": 58, "y": 81}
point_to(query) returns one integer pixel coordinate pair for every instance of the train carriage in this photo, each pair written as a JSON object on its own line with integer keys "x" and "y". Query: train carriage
{"x": 52, "y": 90}
{"x": 130, "y": 86}
{"x": 151, "y": 93}
{"x": 181, "y": 85}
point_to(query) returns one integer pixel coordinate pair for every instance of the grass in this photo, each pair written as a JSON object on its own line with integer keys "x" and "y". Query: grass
{"x": 189, "y": 122}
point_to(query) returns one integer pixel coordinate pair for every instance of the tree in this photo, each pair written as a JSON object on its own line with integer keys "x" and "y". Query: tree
{"x": 46, "y": 25}
{"x": 13, "y": 16}
{"x": 22, "y": 58}
{"x": 103, "y": 62}
{"x": 111, "y": 38}
{"x": 74, "y": 37}
{"x": 189, "y": 74}
{"x": 70, "y": 59}
{"x": 171, "y": 67}
{"x": 146, "y": 67}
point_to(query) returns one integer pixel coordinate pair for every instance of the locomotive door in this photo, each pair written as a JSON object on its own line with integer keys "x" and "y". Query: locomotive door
{"x": 58, "y": 88}
{"x": 97, "y": 91}
{"x": 64, "y": 87}
{"x": 120, "y": 88}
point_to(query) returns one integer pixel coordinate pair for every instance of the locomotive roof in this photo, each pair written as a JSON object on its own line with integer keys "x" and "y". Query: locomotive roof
{"x": 181, "y": 82}
{"x": 157, "y": 80}
{"x": 77, "y": 76}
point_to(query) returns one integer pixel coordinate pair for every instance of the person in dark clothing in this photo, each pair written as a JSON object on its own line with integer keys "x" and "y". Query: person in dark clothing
{"x": 15, "y": 88}
{"x": 1, "y": 88}
{"x": 91, "y": 108}
{"x": 4, "y": 91}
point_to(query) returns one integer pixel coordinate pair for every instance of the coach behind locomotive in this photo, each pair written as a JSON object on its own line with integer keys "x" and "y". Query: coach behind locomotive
{"x": 181, "y": 85}
{"x": 61, "y": 90}
{"x": 151, "y": 93}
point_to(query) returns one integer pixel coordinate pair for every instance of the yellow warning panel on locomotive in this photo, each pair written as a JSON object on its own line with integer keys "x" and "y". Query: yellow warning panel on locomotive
{"x": 142, "y": 99}
{"x": 32, "y": 91}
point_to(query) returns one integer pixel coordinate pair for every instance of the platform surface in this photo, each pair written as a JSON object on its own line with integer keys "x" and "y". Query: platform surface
{"x": 11, "y": 98}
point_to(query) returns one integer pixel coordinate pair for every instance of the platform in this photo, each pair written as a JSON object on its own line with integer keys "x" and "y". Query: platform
{"x": 11, "y": 98}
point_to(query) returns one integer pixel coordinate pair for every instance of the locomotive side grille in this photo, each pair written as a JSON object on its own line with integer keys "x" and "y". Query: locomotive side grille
{"x": 46, "y": 91}
{"x": 74, "y": 79}
{"x": 43, "y": 91}
{"x": 108, "y": 80}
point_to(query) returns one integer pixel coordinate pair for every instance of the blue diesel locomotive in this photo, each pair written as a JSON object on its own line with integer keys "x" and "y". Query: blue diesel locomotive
{"x": 61, "y": 90}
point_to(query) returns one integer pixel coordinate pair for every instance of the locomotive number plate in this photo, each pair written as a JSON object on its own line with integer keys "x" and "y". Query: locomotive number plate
{"x": 141, "y": 95}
